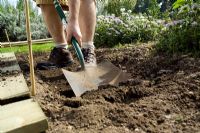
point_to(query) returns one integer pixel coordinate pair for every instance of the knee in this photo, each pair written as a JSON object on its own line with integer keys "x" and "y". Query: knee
{"x": 88, "y": 1}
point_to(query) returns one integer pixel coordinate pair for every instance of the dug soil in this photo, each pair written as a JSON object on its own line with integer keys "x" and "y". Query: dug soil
{"x": 163, "y": 95}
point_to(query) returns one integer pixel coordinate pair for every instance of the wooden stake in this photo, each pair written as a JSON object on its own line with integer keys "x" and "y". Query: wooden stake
{"x": 7, "y": 37}
{"x": 28, "y": 33}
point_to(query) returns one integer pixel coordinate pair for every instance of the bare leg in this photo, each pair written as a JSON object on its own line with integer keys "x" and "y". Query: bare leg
{"x": 87, "y": 22}
{"x": 53, "y": 23}
{"x": 87, "y": 19}
{"x": 59, "y": 55}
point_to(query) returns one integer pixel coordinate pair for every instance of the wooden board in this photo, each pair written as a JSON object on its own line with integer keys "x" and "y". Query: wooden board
{"x": 22, "y": 117}
{"x": 11, "y": 84}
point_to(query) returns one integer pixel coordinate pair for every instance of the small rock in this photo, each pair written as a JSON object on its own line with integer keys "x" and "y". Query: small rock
{"x": 28, "y": 79}
{"x": 168, "y": 116}
{"x": 164, "y": 72}
{"x": 137, "y": 130}
{"x": 146, "y": 83}
{"x": 40, "y": 81}
{"x": 104, "y": 126}
{"x": 191, "y": 93}
{"x": 15, "y": 72}
{"x": 184, "y": 124}
{"x": 3, "y": 79}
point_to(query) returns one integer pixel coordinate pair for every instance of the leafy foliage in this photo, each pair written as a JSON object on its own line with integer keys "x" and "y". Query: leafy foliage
{"x": 126, "y": 28}
{"x": 13, "y": 20}
{"x": 114, "y": 6}
{"x": 156, "y": 8}
{"x": 182, "y": 34}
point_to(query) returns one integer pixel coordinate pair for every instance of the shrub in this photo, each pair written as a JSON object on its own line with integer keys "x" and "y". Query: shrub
{"x": 127, "y": 28}
{"x": 182, "y": 34}
{"x": 13, "y": 20}
{"x": 114, "y": 6}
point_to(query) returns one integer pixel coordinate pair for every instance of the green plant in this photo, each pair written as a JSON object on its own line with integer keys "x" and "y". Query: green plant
{"x": 114, "y": 6}
{"x": 180, "y": 3}
{"x": 182, "y": 34}
{"x": 154, "y": 9}
{"x": 13, "y": 20}
{"x": 126, "y": 28}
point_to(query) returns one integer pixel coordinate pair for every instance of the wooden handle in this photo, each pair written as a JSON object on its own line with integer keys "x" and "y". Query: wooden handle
{"x": 28, "y": 33}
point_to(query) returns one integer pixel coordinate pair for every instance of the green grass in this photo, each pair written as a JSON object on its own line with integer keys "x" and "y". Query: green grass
{"x": 24, "y": 49}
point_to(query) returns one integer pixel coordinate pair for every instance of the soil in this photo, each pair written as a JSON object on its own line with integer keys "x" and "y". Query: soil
{"x": 163, "y": 95}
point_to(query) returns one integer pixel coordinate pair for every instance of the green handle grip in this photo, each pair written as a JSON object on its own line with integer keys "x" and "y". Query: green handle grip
{"x": 78, "y": 52}
{"x": 74, "y": 41}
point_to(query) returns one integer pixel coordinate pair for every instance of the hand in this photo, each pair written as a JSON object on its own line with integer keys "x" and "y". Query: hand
{"x": 73, "y": 29}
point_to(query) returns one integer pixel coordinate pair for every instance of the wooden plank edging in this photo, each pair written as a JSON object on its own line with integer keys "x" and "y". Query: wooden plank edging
{"x": 12, "y": 82}
{"x": 21, "y": 43}
{"x": 22, "y": 117}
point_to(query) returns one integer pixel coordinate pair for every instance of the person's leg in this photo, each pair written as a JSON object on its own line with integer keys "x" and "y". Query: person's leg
{"x": 53, "y": 23}
{"x": 87, "y": 22}
{"x": 60, "y": 55}
{"x": 87, "y": 19}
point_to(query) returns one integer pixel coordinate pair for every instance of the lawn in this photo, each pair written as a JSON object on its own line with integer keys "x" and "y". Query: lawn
{"x": 24, "y": 49}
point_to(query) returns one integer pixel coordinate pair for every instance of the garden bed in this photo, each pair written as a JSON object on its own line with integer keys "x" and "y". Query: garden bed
{"x": 163, "y": 95}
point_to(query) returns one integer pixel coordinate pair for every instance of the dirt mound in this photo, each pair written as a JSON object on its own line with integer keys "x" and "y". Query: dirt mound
{"x": 163, "y": 95}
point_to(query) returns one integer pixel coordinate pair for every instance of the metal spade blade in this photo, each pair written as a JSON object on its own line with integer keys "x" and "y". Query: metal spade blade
{"x": 90, "y": 78}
